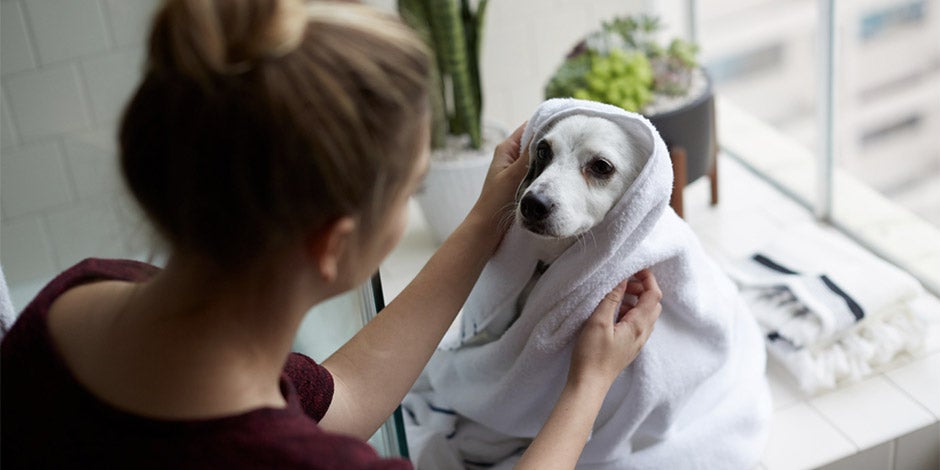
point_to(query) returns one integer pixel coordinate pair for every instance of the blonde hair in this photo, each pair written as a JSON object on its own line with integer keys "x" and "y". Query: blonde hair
{"x": 258, "y": 121}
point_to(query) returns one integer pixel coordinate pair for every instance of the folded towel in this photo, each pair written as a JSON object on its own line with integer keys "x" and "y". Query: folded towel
{"x": 830, "y": 310}
{"x": 700, "y": 375}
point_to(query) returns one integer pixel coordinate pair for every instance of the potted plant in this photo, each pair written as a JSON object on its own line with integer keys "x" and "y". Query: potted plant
{"x": 624, "y": 65}
{"x": 462, "y": 147}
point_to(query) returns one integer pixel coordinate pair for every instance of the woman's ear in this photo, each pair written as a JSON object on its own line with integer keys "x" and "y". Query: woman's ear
{"x": 329, "y": 245}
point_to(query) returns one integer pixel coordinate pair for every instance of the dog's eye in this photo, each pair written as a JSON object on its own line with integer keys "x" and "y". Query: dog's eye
{"x": 542, "y": 152}
{"x": 601, "y": 167}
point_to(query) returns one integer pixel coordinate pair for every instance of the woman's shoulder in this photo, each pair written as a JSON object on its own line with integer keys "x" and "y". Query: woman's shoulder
{"x": 32, "y": 323}
{"x": 88, "y": 271}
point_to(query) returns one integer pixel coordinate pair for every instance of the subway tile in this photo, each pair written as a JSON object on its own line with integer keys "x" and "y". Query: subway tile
{"x": 140, "y": 238}
{"x": 33, "y": 179}
{"x": 921, "y": 380}
{"x": 22, "y": 293}
{"x": 130, "y": 19}
{"x": 85, "y": 230}
{"x": 24, "y": 251}
{"x": 7, "y": 134}
{"x": 783, "y": 387}
{"x": 876, "y": 458}
{"x": 918, "y": 450}
{"x": 47, "y": 102}
{"x": 110, "y": 80}
{"x": 872, "y": 411}
{"x": 67, "y": 29}
{"x": 802, "y": 439}
{"x": 92, "y": 159}
{"x": 15, "y": 48}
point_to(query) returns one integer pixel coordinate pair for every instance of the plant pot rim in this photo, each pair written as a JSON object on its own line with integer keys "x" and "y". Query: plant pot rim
{"x": 704, "y": 96}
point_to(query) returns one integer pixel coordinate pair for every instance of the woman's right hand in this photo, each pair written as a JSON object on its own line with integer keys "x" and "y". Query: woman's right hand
{"x": 612, "y": 337}
{"x": 609, "y": 341}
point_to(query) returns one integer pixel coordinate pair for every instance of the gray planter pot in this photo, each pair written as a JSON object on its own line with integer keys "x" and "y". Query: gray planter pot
{"x": 692, "y": 127}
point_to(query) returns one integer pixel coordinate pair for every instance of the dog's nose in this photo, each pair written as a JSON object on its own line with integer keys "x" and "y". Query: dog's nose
{"x": 535, "y": 208}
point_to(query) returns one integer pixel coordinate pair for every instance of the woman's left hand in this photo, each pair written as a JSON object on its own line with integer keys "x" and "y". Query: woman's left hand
{"x": 497, "y": 199}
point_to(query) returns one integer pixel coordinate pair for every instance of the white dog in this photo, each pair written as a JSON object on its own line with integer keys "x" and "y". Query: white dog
{"x": 579, "y": 170}
{"x": 593, "y": 209}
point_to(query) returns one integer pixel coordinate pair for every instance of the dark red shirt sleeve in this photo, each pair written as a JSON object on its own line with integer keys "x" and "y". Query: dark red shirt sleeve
{"x": 314, "y": 384}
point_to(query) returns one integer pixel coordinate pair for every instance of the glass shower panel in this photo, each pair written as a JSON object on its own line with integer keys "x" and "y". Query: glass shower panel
{"x": 329, "y": 325}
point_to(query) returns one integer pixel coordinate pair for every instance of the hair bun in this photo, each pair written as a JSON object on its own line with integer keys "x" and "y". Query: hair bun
{"x": 206, "y": 38}
{"x": 286, "y": 29}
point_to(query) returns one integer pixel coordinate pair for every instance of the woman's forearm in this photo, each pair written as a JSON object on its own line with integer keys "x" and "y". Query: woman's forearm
{"x": 377, "y": 367}
{"x": 560, "y": 441}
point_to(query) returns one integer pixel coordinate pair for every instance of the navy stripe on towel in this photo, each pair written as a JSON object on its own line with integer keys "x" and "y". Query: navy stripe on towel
{"x": 853, "y": 305}
{"x": 441, "y": 410}
{"x": 478, "y": 464}
{"x": 772, "y": 264}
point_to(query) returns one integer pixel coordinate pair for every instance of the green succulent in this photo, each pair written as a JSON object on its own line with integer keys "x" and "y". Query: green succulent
{"x": 622, "y": 64}
{"x": 621, "y": 78}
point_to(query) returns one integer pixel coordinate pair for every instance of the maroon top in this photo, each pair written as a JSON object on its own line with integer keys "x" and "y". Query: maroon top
{"x": 50, "y": 420}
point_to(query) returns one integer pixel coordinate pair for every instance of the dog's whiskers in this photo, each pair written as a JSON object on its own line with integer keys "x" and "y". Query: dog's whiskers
{"x": 507, "y": 214}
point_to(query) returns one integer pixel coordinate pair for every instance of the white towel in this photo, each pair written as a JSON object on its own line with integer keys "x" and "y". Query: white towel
{"x": 830, "y": 310}
{"x": 695, "y": 397}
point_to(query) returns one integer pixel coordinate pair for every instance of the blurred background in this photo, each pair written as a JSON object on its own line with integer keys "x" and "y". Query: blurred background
{"x": 833, "y": 107}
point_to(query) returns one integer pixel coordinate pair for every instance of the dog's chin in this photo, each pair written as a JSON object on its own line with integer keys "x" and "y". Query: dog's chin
{"x": 546, "y": 230}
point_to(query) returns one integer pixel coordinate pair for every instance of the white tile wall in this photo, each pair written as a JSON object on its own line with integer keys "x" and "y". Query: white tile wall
{"x": 88, "y": 229}
{"x": 111, "y": 79}
{"x": 15, "y": 50}
{"x": 68, "y": 67}
{"x": 67, "y": 29}
{"x": 130, "y": 19}
{"x": 34, "y": 179}
{"x": 25, "y": 250}
{"x": 92, "y": 158}
{"x": 7, "y": 134}
{"x": 47, "y": 102}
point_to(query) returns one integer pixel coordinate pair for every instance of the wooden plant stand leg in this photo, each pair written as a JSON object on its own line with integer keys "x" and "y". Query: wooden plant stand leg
{"x": 713, "y": 179}
{"x": 713, "y": 172}
{"x": 678, "y": 157}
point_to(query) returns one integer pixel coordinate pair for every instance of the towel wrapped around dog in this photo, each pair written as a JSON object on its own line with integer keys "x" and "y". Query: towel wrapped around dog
{"x": 695, "y": 397}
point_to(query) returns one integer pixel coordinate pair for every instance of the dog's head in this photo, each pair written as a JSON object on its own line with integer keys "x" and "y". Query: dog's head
{"x": 578, "y": 170}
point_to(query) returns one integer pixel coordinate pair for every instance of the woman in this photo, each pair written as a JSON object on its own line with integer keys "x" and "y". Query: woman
{"x": 274, "y": 147}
